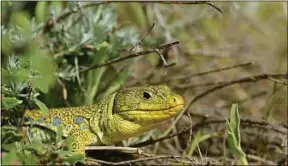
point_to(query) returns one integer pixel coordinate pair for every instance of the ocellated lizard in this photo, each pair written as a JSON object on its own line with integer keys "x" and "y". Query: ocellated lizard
{"x": 126, "y": 113}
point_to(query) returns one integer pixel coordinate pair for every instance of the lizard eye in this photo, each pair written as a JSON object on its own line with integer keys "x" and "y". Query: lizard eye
{"x": 146, "y": 95}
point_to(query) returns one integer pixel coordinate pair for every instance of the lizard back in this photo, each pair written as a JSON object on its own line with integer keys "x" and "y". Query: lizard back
{"x": 44, "y": 127}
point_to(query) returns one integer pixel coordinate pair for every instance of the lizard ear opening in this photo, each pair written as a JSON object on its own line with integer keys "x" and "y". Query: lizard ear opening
{"x": 112, "y": 103}
{"x": 114, "y": 107}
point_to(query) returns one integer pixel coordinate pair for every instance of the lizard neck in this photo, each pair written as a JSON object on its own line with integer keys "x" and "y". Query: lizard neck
{"x": 100, "y": 122}
{"x": 113, "y": 126}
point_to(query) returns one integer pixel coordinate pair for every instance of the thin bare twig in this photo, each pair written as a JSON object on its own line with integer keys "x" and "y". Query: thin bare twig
{"x": 152, "y": 141}
{"x": 211, "y": 71}
{"x": 143, "y": 38}
{"x": 64, "y": 91}
{"x": 129, "y": 162}
{"x": 129, "y": 56}
{"x": 184, "y": 86}
{"x": 277, "y": 81}
{"x": 115, "y": 148}
{"x": 190, "y": 3}
{"x": 253, "y": 96}
{"x": 215, "y": 7}
{"x": 261, "y": 160}
{"x": 241, "y": 80}
{"x": 244, "y": 122}
{"x": 163, "y": 59}
{"x": 205, "y": 93}
{"x": 51, "y": 22}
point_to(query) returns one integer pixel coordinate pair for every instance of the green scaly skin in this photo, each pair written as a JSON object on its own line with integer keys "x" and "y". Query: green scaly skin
{"x": 126, "y": 113}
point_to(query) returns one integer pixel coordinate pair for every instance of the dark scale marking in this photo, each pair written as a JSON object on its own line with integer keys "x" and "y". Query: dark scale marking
{"x": 78, "y": 120}
{"x": 56, "y": 121}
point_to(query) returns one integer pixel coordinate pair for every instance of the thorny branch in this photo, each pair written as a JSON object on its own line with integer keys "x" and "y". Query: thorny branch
{"x": 151, "y": 50}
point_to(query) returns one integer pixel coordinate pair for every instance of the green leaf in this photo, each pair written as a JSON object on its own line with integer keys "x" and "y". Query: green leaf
{"x": 59, "y": 133}
{"x": 102, "y": 45}
{"x": 10, "y": 158}
{"x": 17, "y": 77}
{"x": 9, "y": 146}
{"x": 68, "y": 142}
{"x": 116, "y": 83}
{"x": 10, "y": 102}
{"x": 10, "y": 136}
{"x": 233, "y": 137}
{"x": 94, "y": 76}
{"x": 235, "y": 121}
{"x": 232, "y": 141}
{"x": 44, "y": 66}
{"x": 28, "y": 158}
{"x": 22, "y": 20}
{"x": 41, "y": 11}
{"x": 42, "y": 107}
{"x": 38, "y": 147}
{"x": 75, "y": 158}
{"x": 7, "y": 46}
{"x": 57, "y": 7}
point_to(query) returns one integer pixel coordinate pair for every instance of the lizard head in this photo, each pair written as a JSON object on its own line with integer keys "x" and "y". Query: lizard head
{"x": 138, "y": 109}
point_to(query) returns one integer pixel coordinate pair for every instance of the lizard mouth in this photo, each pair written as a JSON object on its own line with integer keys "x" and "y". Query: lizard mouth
{"x": 155, "y": 116}
{"x": 147, "y": 111}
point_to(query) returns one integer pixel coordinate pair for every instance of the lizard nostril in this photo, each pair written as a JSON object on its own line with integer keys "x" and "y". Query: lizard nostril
{"x": 178, "y": 100}
{"x": 174, "y": 100}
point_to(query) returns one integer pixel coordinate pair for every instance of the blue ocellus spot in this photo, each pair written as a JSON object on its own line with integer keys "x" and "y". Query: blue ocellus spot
{"x": 40, "y": 120}
{"x": 78, "y": 120}
{"x": 29, "y": 119}
{"x": 56, "y": 121}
